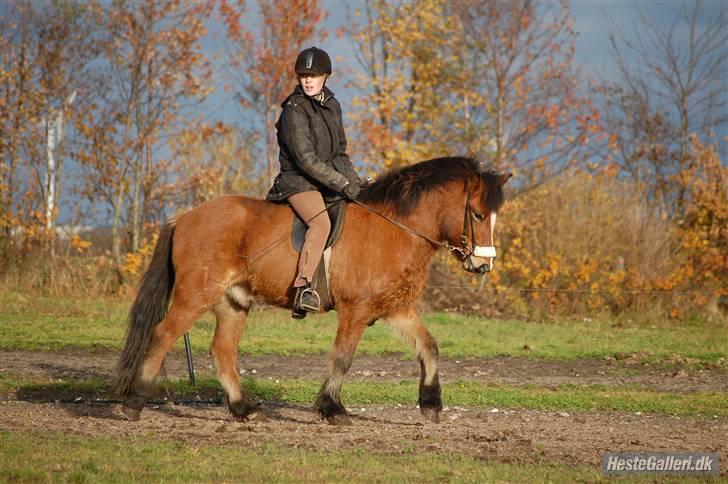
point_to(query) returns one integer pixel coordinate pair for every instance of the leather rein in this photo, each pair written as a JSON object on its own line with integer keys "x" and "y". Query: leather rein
{"x": 464, "y": 251}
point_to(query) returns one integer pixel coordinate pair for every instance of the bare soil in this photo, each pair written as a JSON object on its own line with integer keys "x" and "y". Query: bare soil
{"x": 674, "y": 377}
{"x": 489, "y": 434}
{"x": 505, "y": 436}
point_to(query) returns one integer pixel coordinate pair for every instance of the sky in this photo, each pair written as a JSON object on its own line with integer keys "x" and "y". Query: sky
{"x": 593, "y": 20}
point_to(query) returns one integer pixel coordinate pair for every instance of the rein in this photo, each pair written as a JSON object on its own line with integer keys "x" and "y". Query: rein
{"x": 463, "y": 251}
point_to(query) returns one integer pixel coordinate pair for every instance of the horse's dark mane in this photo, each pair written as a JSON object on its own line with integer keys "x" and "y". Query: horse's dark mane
{"x": 402, "y": 188}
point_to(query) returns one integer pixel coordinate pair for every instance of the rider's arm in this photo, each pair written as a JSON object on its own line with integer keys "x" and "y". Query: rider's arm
{"x": 295, "y": 134}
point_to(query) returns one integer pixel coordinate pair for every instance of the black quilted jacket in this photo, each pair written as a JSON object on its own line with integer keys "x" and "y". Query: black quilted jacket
{"x": 312, "y": 147}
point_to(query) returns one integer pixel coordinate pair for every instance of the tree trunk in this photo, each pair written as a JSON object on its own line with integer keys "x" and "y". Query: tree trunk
{"x": 135, "y": 206}
{"x": 500, "y": 122}
{"x": 8, "y": 197}
{"x": 116, "y": 235}
{"x": 55, "y": 120}
{"x": 50, "y": 177}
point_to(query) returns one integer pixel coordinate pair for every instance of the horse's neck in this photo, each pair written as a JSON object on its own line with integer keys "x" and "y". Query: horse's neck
{"x": 415, "y": 228}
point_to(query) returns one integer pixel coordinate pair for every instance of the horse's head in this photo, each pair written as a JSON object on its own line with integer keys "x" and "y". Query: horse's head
{"x": 482, "y": 197}
{"x": 467, "y": 198}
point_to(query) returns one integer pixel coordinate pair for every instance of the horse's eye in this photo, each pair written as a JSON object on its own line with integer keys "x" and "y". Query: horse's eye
{"x": 478, "y": 217}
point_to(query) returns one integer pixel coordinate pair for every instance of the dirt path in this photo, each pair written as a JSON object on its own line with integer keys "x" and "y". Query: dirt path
{"x": 489, "y": 434}
{"x": 503, "y": 436}
{"x": 674, "y": 377}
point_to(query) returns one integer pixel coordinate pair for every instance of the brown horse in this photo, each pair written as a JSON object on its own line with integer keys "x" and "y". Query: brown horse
{"x": 230, "y": 252}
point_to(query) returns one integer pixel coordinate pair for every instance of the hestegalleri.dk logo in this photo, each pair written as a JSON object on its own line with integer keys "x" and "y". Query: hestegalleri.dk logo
{"x": 667, "y": 463}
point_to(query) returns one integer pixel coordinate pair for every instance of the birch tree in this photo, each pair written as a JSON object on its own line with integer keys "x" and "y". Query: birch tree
{"x": 153, "y": 70}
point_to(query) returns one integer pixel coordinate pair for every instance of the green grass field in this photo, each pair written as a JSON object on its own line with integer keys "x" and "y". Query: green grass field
{"x": 60, "y": 457}
{"x": 46, "y": 323}
{"x": 70, "y": 458}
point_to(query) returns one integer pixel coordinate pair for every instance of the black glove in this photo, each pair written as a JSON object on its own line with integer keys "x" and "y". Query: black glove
{"x": 351, "y": 190}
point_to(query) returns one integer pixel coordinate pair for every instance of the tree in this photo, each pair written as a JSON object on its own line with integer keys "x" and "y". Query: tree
{"x": 536, "y": 113}
{"x": 261, "y": 60}
{"x": 486, "y": 76}
{"x": 17, "y": 103}
{"x": 215, "y": 160}
{"x": 48, "y": 49}
{"x": 667, "y": 90}
{"x": 412, "y": 82}
{"x": 152, "y": 69}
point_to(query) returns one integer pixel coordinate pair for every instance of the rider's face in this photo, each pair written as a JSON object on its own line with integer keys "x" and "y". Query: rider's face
{"x": 312, "y": 84}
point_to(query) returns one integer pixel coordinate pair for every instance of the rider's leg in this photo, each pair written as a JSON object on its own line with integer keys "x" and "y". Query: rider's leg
{"x": 312, "y": 210}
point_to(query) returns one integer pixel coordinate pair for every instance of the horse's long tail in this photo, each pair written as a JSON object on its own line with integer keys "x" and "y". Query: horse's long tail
{"x": 149, "y": 308}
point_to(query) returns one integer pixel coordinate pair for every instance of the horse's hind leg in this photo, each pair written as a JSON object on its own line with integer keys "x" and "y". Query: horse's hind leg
{"x": 328, "y": 403}
{"x": 231, "y": 313}
{"x": 409, "y": 325}
{"x": 181, "y": 316}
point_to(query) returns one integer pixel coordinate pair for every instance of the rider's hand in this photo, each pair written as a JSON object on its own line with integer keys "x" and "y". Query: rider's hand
{"x": 351, "y": 191}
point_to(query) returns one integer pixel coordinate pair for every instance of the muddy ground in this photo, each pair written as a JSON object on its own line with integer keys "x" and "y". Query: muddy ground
{"x": 502, "y": 435}
{"x": 505, "y": 436}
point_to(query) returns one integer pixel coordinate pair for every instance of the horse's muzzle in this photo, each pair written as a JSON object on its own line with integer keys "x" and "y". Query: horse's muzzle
{"x": 481, "y": 260}
{"x": 478, "y": 265}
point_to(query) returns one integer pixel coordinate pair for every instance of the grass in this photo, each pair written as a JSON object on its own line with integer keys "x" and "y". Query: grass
{"x": 72, "y": 458}
{"x": 48, "y": 323}
{"x": 65, "y": 457}
{"x": 562, "y": 397}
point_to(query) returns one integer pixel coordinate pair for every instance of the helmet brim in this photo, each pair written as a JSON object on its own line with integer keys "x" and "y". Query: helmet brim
{"x": 302, "y": 72}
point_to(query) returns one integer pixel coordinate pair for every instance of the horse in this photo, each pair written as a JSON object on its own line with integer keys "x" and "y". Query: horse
{"x": 229, "y": 253}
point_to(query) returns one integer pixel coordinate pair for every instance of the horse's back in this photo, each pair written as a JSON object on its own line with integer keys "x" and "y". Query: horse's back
{"x": 218, "y": 231}
{"x": 223, "y": 212}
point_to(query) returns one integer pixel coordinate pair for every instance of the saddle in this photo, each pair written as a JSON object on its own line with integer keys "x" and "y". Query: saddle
{"x": 336, "y": 211}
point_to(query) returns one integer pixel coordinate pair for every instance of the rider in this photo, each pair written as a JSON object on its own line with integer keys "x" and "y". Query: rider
{"x": 314, "y": 165}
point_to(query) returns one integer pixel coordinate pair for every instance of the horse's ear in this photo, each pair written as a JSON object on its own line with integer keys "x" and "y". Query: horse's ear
{"x": 504, "y": 177}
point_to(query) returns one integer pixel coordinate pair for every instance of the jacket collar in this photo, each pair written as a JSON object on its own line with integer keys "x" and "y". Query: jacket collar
{"x": 298, "y": 91}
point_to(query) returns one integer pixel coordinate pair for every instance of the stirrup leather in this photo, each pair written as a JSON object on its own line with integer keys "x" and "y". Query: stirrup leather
{"x": 308, "y": 307}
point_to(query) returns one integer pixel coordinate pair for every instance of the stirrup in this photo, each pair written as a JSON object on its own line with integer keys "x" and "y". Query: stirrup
{"x": 310, "y": 306}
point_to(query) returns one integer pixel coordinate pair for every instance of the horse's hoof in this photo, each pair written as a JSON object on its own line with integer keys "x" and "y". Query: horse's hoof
{"x": 341, "y": 420}
{"x": 431, "y": 414}
{"x": 131, "y": 414}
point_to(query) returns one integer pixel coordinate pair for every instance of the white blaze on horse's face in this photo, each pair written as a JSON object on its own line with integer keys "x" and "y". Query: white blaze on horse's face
{"x": 483, "y": 256}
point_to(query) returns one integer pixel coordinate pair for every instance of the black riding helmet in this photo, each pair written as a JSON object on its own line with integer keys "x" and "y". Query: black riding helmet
{"x": 313, "y": 61}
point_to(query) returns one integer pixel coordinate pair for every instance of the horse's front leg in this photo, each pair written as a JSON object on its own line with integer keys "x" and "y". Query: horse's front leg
{"x": 409, "y": 325}
{"x": 328, "y": 403}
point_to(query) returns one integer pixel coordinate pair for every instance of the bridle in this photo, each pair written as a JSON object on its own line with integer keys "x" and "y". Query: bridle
{"x": 472, "y": 249}
{"x": 466, "y": 250}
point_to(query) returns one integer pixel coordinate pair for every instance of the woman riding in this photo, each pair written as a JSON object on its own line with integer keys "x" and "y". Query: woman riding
{"x": 314, "y": 165}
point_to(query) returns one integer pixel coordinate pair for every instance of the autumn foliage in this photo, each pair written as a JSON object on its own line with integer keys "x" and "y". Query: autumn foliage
{"x": 118, "y": 115}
